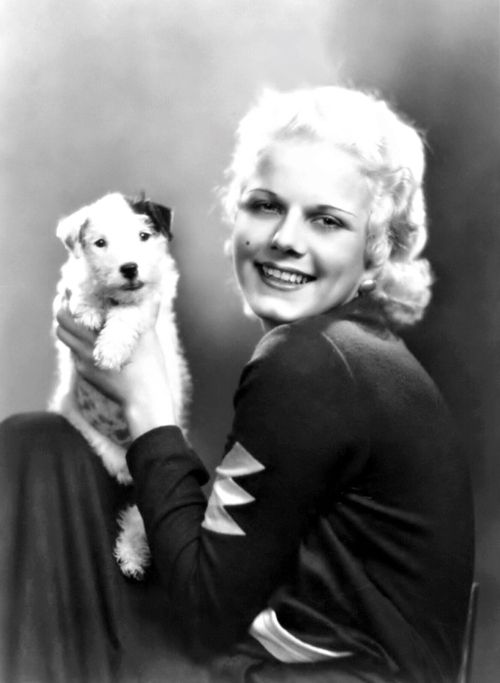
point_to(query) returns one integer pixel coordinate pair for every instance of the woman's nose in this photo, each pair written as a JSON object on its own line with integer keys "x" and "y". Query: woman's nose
{"x": 288, "y": 236}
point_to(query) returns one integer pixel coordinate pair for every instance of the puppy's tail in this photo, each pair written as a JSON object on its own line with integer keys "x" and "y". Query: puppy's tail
{"x": 131, "y": 549}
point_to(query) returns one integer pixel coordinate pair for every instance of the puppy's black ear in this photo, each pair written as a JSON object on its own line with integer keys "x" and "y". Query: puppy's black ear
{"x": 161, "y": 216}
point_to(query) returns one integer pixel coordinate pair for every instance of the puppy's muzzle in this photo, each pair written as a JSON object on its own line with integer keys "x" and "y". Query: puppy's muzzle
{"x": 129, "y": 270}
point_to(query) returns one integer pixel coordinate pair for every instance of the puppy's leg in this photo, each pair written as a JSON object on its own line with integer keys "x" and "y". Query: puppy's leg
{"x": 89, "y": 315}
{"x": 111, "y": 454}
{"x": 131, "y": 548}
{"x": 120, "y": 333}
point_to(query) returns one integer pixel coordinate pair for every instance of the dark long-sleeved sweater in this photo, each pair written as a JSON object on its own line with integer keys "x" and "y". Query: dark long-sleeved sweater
{"x": 341, "y": 506}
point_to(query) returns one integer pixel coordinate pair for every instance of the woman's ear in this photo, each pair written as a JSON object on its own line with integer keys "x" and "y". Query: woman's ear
{"x": 369, "y": 278}
{"x": 367, "y": 285}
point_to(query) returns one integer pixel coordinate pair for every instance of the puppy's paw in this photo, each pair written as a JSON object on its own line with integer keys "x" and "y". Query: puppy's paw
{"x": 91, "y": 319}
{"x": 108, "y": 358}
{"x": 111, "y": 351}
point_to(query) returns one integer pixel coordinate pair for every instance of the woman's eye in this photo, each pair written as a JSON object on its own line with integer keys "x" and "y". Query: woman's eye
{"x": 144, "y": 236}
{"x": 100, "y": 243}
{"x": 262, "y": 206}
{"x": 328, "y": 222}
{"x": 268, "y": 207}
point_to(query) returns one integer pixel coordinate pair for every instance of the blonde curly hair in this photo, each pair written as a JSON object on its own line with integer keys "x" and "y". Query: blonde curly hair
{"x": 391, "y": 152}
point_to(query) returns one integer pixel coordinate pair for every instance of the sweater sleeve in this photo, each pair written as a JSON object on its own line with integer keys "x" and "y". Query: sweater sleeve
{"x": 290, "y": 450}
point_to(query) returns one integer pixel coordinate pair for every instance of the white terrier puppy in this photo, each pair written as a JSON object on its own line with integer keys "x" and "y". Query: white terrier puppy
{"x": 118, "y": 272}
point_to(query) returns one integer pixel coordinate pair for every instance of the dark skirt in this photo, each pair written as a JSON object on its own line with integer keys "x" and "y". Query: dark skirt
{"x": 67, "y": 613}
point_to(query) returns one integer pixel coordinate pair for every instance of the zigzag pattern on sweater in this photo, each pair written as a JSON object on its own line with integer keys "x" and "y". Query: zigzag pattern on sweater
{"x": 238, "y": 462}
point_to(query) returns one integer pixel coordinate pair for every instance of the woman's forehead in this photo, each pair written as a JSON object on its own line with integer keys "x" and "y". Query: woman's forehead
{"x": 311, "y": 172}
{"x": 308, "y": 154}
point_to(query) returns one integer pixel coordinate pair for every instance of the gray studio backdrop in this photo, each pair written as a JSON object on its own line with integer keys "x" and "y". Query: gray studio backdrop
{"x": 100, "y": 95}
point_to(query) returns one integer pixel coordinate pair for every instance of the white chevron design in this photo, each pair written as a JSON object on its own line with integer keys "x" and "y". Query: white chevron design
{"x": 228, "y": 492}
{"x": 237, "y": 463}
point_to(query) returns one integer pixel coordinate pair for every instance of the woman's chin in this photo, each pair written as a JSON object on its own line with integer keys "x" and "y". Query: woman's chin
{"x": 272, "y": 315}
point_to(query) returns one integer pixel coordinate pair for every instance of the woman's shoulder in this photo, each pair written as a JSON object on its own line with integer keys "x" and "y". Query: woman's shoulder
{"x": 302, "y": 345}
{"x": 340, "y": 331}
{"x": 354, "y": 341}
{"x": 303, "y": 354}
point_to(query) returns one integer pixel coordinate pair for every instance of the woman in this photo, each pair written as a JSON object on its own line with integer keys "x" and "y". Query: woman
{"x": 336, "y": 544}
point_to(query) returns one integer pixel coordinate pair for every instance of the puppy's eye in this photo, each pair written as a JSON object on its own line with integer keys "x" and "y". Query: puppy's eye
{"x": 144, "y": 236}
{"x": 100, "y": 243}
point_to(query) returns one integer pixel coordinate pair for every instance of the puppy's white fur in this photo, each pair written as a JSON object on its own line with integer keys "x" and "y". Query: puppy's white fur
{"x": 103, "y": 240}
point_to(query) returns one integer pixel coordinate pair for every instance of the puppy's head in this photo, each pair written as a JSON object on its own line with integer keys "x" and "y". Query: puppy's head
{"x": 121, "y": 245}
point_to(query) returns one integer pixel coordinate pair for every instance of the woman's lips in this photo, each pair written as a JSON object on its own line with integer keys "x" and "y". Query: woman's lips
{"x": 283, "y": 277}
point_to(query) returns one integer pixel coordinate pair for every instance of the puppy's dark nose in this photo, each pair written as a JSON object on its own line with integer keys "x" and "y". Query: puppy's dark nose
{"x": 129, "y": 270}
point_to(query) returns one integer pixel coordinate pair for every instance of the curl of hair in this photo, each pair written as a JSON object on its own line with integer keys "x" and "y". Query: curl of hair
{"x": 390, "y": 151}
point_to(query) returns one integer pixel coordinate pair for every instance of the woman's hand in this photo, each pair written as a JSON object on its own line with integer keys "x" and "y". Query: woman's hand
{"x": 141, "y": 386}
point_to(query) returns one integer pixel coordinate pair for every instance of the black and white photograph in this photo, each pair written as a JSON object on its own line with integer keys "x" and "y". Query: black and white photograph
{"x": 249, "y": 341}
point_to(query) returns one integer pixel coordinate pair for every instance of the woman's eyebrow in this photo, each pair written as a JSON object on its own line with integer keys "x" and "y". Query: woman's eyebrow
{"x": 263, "y": 189}
{"x": 324, "y": 208}
{"x": 316, "y": 208}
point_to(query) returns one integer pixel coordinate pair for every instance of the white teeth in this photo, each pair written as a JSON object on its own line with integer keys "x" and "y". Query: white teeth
{"x": 285, "y": 276}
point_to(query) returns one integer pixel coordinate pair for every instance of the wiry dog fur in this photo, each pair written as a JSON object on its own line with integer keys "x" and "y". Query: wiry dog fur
{"x": 118, "y": 270}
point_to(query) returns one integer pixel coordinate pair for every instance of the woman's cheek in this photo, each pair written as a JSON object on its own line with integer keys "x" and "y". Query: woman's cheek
{"x": 242, "y": 244}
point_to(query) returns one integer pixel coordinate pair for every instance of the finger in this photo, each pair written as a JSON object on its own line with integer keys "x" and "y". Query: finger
{"x": 79, "y": 365}
{"x": 84, "y": 368}
{"x": 82, "y": 348}
{"x": 68, "y": 322}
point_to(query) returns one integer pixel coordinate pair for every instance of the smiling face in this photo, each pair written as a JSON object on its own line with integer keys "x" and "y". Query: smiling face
{"x": 300, "y": 231}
